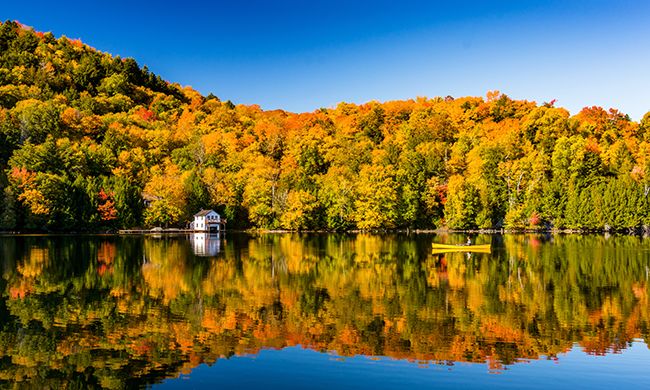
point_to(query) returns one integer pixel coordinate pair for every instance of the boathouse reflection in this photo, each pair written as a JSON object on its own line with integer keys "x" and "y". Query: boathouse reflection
{"x": 205, "y": 244}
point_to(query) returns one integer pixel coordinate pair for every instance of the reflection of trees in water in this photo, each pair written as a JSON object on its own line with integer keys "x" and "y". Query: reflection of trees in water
{"x": 89, "y": 310}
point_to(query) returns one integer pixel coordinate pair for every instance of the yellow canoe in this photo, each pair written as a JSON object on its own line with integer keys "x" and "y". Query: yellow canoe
{"x": 442, "y": 248}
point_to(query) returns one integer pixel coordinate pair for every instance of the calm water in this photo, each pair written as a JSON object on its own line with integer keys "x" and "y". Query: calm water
{"x": 324, "y": 311}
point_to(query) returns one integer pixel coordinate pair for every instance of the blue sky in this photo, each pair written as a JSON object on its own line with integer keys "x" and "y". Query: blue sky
{"x": 303, "y": 55}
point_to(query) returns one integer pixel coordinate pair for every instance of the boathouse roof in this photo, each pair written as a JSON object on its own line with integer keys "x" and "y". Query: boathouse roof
{"x": 203, "y": 213}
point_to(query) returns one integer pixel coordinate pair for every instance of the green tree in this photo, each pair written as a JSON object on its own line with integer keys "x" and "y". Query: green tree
{"x": 463, "y": 204}
{"x": 37, "y": 120}
{"x": 8, "y": 217}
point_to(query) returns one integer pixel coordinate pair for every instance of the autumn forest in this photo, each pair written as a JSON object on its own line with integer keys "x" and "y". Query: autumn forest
{"x": 95, "y": 142}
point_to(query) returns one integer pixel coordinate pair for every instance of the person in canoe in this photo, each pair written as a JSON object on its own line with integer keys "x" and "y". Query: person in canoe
{"x": 469, "y": 241}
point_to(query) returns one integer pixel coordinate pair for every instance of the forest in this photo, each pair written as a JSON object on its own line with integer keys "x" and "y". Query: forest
{"x": 95, "y": 142}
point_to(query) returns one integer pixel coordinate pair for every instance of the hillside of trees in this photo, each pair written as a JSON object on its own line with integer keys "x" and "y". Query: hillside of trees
{"x": 86, "y": 137}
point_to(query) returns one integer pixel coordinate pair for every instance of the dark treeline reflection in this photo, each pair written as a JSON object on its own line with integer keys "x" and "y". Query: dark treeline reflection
{"x": 127, "y": 311}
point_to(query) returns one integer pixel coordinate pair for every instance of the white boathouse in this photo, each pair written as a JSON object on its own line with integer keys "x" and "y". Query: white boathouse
{"x": 208, "y": 221}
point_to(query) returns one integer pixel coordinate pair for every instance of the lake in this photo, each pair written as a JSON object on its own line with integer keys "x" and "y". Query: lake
{"x": 324, "y": 310}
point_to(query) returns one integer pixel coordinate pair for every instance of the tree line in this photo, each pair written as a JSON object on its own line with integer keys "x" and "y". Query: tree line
{"x": 87, "y": 137}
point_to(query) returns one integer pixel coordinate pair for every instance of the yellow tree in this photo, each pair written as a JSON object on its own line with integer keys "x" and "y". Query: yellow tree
{"x": 300, "y": 211}
{"x": 463, "y": 203}
{"x": 263, "y": 196}
{"x": 377, "y": 199}
{"x": 168, "y": 192}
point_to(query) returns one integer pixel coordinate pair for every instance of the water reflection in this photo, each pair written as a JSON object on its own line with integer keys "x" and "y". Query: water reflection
{"x": 127, "y": 311}
{"x": 205, "y": 244}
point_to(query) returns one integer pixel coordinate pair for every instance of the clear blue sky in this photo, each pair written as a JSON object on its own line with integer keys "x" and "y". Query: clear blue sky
{"x": 302, "y": 55}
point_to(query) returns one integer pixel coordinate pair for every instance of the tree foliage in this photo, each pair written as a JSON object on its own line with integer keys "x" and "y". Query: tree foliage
{"x": 77, "y": 121}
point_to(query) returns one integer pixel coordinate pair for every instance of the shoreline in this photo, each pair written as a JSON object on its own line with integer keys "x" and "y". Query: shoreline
{"x": 644, "y": 232}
